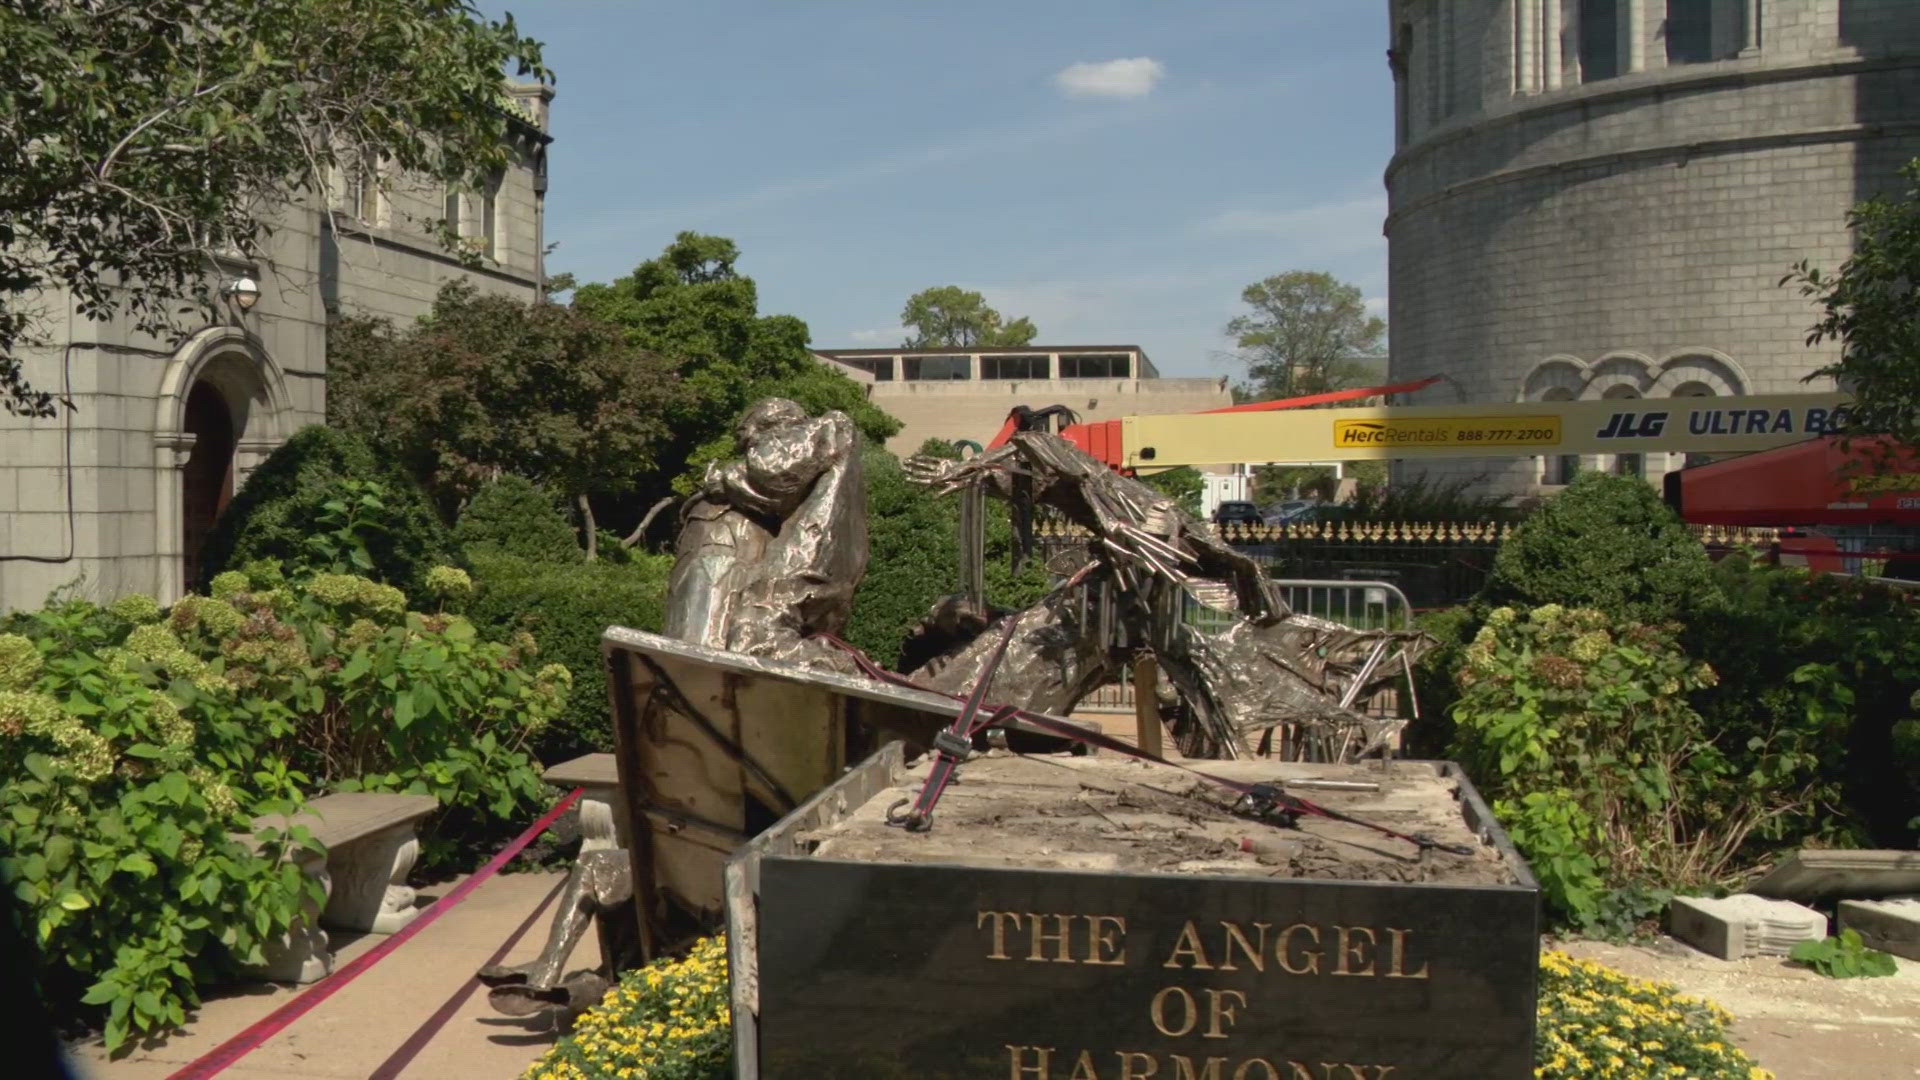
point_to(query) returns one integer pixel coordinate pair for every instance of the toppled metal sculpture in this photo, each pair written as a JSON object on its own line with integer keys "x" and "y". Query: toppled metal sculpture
{"x": 1271, "y": 666}
{"x": 773, "y": 546}
{"x": 770, "y": 551}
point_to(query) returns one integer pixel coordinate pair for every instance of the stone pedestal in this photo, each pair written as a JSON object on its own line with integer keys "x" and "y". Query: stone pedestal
{"x": 303, "y": 954}
{"x": 1737, "y": 927}
{"x": 1892, "y": 926}
{"x": 600, "y": 826}
{"x": 370, "y": 890}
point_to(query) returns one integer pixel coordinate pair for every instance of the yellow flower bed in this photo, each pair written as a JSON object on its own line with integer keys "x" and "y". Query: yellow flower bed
{"x": 1597, "y": 1024}
{"x": 669, "y": 1020}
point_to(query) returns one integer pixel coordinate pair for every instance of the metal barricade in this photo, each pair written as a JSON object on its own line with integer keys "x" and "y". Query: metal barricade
{"x": 1363, "y": 605}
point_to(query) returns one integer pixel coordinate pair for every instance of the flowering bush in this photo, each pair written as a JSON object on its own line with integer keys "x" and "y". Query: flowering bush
{"x": 135, "y": 743}
{"x": 118, "y": 802}
{"x": 1596, "y": 1023}
{"x": 669, "y": 1020}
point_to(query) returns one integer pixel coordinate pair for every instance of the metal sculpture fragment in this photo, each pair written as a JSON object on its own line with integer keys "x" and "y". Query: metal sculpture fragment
{"x": 1150, "y": 561}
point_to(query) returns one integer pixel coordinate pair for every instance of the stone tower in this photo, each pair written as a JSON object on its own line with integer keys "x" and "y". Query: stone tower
{"x": 1598, "y": 198}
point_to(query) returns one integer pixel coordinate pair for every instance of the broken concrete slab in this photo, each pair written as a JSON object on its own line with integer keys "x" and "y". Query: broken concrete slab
{"x": 1891, "y": 926}
{"x": 1819, "y": 874}
{"x": 1744, "y": 925}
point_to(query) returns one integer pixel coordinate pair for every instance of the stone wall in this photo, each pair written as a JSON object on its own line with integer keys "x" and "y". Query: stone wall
{"x": 94, "y": 497}
{"x": 1626, "y": 236}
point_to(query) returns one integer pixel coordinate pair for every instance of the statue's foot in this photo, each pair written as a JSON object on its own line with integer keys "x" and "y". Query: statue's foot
{"x": 505, "y": 974}
{"x": 526, "y": 1000}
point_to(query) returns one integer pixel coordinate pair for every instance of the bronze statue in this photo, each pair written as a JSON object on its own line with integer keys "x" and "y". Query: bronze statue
{"x": 770, "y": 551}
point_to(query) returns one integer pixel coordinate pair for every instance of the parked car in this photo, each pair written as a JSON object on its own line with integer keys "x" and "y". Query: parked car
{"x": 1280, "y": 512}
{"x": 1234, "y": 512}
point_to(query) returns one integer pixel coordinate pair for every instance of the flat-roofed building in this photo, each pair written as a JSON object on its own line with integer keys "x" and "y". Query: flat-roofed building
{"x": 966, "y": 393}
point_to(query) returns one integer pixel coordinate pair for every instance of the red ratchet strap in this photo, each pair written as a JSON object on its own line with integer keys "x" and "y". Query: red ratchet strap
{"x": 221, "y": 1057}
{"x": 1268, "y": 802}
{"x": 956, "y": 742}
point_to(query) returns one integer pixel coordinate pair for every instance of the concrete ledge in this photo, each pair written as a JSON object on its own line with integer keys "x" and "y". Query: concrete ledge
{"x": 1745, "y": 925}
{"x": 1892, "y": 926}
{"x": 600, "y": 826}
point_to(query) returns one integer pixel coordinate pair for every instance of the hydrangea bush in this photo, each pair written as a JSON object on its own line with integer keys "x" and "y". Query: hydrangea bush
{"x": 135, "y": 743}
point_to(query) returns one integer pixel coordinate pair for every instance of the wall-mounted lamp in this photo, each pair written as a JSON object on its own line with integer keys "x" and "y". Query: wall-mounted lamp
{"x": 243, "y": 291}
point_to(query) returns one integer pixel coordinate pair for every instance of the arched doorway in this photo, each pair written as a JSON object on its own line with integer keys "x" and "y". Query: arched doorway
{"x": 207, "y": 478}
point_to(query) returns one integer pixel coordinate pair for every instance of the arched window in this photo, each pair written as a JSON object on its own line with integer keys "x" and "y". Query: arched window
{"x": 1599, "y": 39}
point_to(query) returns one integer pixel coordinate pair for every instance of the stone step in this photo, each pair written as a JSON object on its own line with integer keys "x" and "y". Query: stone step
{"x": 1891, "y": 926}
{"x": 1744, "y": 925}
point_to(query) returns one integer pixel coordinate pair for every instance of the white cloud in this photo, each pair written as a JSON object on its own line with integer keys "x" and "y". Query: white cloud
{"x": 1131, "y": 78}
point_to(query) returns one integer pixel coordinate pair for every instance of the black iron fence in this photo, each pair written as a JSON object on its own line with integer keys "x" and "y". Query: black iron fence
{"x": 1436, "y": 565}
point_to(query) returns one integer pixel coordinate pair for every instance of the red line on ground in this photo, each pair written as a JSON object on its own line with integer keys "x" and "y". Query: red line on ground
{"x": 424, "y": 1034}
{"x": 221, "y": 1057}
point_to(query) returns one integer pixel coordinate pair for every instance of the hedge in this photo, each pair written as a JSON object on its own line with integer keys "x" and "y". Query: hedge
{"x": 567, "y": 607}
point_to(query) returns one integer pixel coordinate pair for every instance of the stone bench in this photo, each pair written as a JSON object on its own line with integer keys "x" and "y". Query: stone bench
{"x": 371, "y": 845}
{"x": 602, "y": 811}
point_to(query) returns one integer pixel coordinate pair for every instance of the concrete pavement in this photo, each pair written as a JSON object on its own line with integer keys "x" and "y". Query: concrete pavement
{"x": 353, "y": 1032}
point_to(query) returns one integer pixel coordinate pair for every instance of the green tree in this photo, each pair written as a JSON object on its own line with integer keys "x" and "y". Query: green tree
{"x": 948, "y": 315}
{"x": 1185, "y": 485}
{"x": 1307, "y": 334}
{"x": 144, "y": 140}
{"x": 1869, "y": 306}
{"x": 1607, "y": 542}
{"x": 691, "y": 305}
{"x": 488, "y": 385}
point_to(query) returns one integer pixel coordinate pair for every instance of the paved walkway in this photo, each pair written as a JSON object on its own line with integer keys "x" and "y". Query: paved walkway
{"x": 353, "y": 1032}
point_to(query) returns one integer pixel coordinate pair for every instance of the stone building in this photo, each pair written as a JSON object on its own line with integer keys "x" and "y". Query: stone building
{"x": 957, "y": 394}
{"x": 118, "y": 491}
{"x": 1599, "y": 198}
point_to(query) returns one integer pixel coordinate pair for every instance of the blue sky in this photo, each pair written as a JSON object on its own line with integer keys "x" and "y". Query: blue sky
{"x": 1116, "y": 170}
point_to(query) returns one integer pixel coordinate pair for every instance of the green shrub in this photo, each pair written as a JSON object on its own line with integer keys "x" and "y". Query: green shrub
{"x": 117, "y": 803}
{"x": 1836, "y": 657}
{"x": 1434, "y": 677}
{"x": 1577, "y": 726}
{"x": 670, "y": 1020}
{"x": 274, "y": 516}
{"x": 133, "y": 745}
{"x": 567, "y": 607}
{"x": 514, "y": 516}
{"x": 1844, "y": 957}
{"x": 1607, "y": 542}
{"x": 913, "y": 539}
{"x": 1597, "y": 1024}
